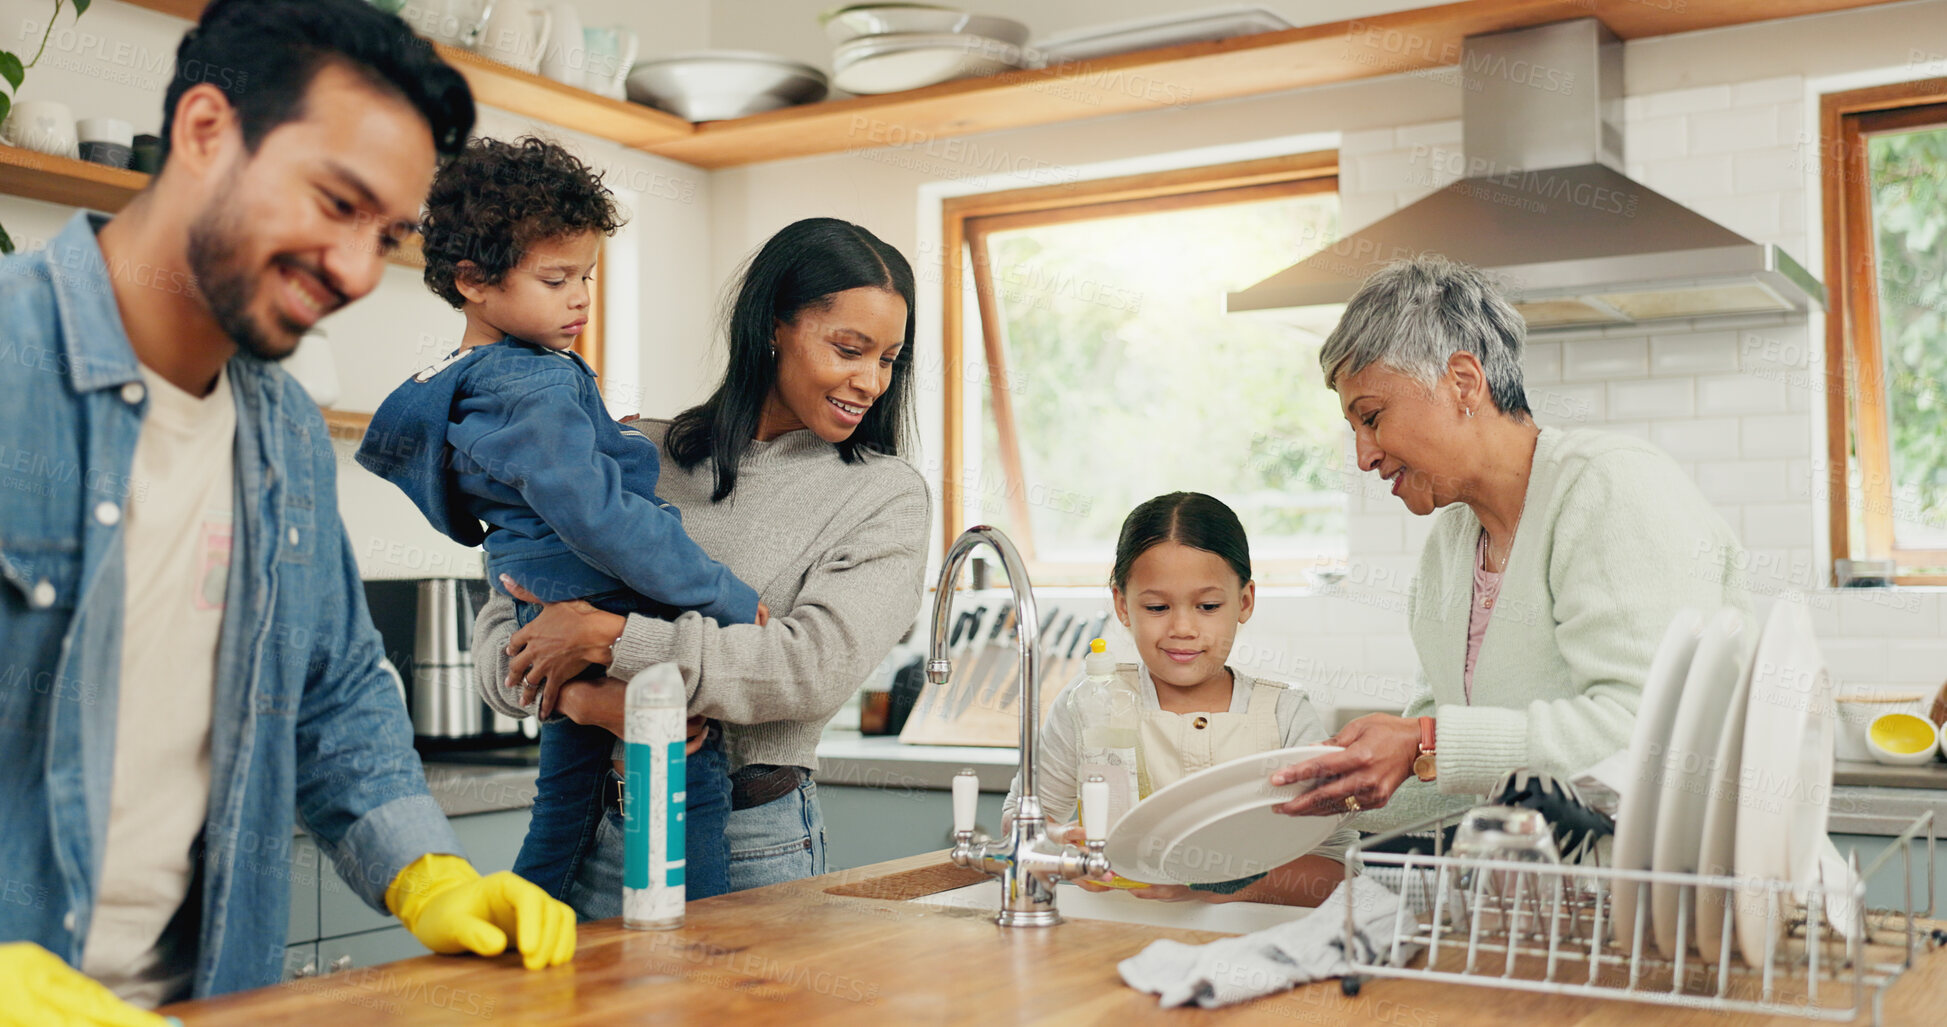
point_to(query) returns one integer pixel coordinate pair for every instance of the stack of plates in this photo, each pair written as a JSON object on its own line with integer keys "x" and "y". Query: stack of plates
{"x": 1733, "y": 772}
{"x": 1218, "y": 824}
{"x": 1153, "y": 33}
{"x": 887, "y": 48}
{"x": 715, "y": 85}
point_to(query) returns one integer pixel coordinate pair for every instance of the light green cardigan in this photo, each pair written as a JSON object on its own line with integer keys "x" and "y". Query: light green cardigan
{"x": 1614, "y": 540}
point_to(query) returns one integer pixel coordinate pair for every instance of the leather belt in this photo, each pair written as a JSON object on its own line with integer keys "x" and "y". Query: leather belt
{"x": 751, "y": 786}
{"x": 759, "y": 783}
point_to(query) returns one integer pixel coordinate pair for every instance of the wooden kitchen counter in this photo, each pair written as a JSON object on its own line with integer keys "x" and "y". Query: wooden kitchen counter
{"x": 844, "y": 949}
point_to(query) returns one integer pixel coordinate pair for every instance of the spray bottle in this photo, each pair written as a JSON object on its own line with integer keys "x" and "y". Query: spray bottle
{"x": 653, "y": 800}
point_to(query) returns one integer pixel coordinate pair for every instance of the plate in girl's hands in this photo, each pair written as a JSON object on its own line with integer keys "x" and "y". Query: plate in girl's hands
{"x": 1218, "y": 824}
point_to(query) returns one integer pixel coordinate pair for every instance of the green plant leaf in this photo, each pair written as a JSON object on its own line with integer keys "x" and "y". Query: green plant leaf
{"x": 6, "y": 104}
{"x": 10, "y": 69}
{"x": 6, "y": 241}
{"x": 80, "y": 7}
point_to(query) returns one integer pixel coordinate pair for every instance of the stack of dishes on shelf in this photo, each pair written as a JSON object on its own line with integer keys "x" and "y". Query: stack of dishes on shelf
{"x": 716, "y": 85}
{"x": 888, "y": 48}
{"x": 1204, "y": 26}
{"x": 1732, "y": 756}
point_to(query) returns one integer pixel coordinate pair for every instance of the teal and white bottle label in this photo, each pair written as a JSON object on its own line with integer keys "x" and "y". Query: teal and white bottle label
{"x": 653, "y": 817}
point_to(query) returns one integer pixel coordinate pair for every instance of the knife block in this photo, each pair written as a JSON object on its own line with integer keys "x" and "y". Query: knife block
{"x": 983, "y": 723}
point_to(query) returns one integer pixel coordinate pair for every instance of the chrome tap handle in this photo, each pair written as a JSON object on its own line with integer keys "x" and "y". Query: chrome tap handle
{"x": 1095, "y": 810}
{"x": 966, "y": 802}
{"x": 1095, "y": 825}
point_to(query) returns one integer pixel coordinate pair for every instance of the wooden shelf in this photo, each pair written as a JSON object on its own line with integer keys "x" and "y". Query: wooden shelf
{"x": 347, "y": 424}
{"x": 1193, "y": 73}
{"x": 77, "y": 183}
{"x": 579, "y": 110}
{"x": 74, "y": 183}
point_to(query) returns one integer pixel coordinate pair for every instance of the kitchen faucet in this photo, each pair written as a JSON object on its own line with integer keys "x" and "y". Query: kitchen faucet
{"x": 1027, "y": 861}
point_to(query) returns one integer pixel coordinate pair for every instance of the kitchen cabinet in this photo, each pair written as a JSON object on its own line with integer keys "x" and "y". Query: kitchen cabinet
{"x": 333, "y": 929}
{"x": 301, "y": 960}
{"x": 1884, "y": 891}
{"x": 871, "y": 825}
{"x": 369, "y": 948}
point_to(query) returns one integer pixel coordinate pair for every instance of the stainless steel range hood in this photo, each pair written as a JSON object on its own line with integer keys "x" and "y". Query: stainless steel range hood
{"x": 1576, "y": 243}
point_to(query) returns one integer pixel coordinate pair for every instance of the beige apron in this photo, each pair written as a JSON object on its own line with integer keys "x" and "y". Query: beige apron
{"x": 1176, "y": 745}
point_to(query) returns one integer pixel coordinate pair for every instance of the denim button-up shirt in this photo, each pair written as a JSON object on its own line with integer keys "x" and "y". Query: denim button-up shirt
{"x": 307, "y": 714}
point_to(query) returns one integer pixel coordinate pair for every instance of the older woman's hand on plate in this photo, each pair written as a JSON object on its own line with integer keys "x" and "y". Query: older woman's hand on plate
{"x": 1378, "y": 758}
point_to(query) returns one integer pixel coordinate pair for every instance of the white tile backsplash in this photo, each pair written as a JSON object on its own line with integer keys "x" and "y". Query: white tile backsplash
{"x": 1732, "y": 131}
{"x": 1602, "y": 359}
{"x": 1740, "y": 394}
{"x": 1710, "y": 438}
{"x": 1651, "y": 398}
{"x": 1695, "y": 353}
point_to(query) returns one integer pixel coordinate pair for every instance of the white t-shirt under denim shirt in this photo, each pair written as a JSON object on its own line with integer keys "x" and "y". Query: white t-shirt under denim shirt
{"x": 176, "y": 535}
{"x": 1058, "y": 750}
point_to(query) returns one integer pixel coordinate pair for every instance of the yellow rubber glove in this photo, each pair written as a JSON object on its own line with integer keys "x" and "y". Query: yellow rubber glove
{"x": 450, "y": 908}
{"x": 40, "y": 989}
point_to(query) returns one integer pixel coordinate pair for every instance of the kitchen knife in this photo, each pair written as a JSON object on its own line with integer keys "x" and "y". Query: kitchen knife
{"x": 995, "y": 662}
{"x": 994, "y": 687}
{"x": 962, "y": 627}
{"x": 983, "y": 664}
{"x": 966, "y": 663}
{"x": 1050, "y": 658}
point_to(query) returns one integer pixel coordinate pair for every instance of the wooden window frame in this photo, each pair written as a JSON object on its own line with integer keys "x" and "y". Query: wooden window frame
{"x": 968, "y": 222}
{"x": 1855, "y": 396}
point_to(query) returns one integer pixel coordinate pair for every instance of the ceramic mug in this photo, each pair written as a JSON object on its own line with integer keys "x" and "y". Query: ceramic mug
{"x": 444, "y": 21}
{"x": 611, "y": 53}
{"x": 43, "y": 126}
{"x": 565, "y": 59}
{"x": 515, "y": 34}
{"x": 109, "y": 141}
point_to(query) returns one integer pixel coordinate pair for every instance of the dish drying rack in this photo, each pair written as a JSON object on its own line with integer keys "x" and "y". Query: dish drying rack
{"x": 1545, "y": 927}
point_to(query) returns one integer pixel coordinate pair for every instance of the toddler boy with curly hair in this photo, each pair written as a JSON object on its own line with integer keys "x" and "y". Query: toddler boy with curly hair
{"x": 510, "y": 430}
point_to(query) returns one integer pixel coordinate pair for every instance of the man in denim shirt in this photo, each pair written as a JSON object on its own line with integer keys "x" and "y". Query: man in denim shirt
{"x": 187, "y": 654}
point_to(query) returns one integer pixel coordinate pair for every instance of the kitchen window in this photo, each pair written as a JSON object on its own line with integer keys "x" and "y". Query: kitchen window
{"x": 1090, "y": 364}
{"x": 1885, "y": 193}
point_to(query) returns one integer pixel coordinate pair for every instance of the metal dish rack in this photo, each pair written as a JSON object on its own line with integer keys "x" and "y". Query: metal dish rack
{"x": 1545, "y": 927}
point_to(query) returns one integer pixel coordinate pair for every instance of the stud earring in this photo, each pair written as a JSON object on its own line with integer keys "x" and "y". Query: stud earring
{"x": 773, "y": 352}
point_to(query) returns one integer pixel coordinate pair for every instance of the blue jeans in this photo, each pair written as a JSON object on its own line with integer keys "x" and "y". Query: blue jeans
{"x": 577, "y": 775}
{"x": 782, "y": 840}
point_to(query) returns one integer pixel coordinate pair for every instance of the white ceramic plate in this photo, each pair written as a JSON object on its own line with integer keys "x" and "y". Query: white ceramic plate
{"x": 1655, "y": 716}
{"x": 1165, "y": 30}
{"x": 1717, "y": 856}
{"x": 1786, "y": 778}
{"x": 1694, "y": 741}
{"x": 891, "y": 64}
{"x": 849, "y": 23}
{"x": 1218, "y": 825}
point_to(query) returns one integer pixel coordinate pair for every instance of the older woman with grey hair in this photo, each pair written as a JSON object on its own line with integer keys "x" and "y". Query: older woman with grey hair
{"x": 1557, "y": 561}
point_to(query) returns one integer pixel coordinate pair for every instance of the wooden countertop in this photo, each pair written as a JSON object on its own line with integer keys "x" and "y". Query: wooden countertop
{"x": 844, "y": 949}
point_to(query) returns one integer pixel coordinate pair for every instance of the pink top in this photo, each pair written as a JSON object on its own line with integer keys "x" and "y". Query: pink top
{"x": 1487, "y": 588}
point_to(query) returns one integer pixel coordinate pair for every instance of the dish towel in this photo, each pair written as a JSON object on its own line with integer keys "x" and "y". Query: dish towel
{"x": 1232, "y": 970}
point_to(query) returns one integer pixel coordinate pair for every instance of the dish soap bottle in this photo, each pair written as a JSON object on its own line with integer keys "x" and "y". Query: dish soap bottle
{"x": 1110, "y": 722}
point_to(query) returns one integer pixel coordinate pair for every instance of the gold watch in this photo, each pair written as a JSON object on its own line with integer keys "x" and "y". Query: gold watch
{"x": 1423, "y": 764}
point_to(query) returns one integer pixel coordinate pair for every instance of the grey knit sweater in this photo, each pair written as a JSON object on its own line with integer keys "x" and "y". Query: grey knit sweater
{"x": 836, "y": 550}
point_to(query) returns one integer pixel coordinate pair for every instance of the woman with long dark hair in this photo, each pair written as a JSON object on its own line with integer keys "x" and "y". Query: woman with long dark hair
{"x": 792, "y": 474}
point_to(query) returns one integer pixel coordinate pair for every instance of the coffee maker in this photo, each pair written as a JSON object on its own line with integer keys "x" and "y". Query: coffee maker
{"x": 428, "y": 630}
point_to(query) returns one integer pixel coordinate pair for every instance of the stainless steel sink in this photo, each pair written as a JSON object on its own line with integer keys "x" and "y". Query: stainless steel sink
{"x": 1121, "y": 907}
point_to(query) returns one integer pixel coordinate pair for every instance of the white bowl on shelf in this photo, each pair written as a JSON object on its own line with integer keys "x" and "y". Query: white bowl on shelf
{"x": 716, "y": 85}
{"x": 895, "y": 63}
{"x": 851, "y": 23}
